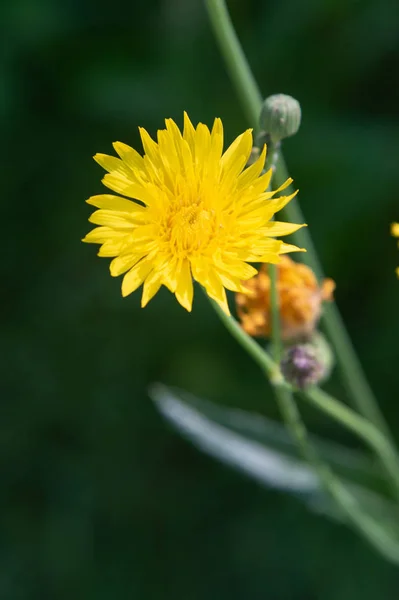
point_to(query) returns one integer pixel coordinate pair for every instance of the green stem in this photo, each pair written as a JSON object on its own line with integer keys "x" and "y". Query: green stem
{"x": 275, "y": 314}
{"x": 359, "y": 425}
{"x": 273, "y": 275}
{"x": 350, "y": 367}
{"x": 239, "y": 69}
{"x": 327, "y": 404}
{"x": 251, "y": 100}
{"x": 348, "y": 504}
{"x": 265, "y": 362}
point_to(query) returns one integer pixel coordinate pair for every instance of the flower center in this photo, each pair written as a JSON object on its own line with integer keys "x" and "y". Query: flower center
{"x": 189, "y": 229}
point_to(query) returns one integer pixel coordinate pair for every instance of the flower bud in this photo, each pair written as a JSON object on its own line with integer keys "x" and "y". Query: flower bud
{"x": 280, "y": 117}
{"x": 301, "y": 366}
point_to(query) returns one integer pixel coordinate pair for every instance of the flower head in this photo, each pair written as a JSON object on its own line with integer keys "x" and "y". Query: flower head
{"x": 301, "y": 366}
{"x": 193, "y": 212}
{"x": 300, "y": 299}
{"x": 395, "y": 233}
{"x": 280, "y": 116}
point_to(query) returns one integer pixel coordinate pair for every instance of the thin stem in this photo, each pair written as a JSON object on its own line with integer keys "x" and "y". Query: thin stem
{"x": 237, "y": 64}
{"x": 273, "y": 152}
{"x": 295, "y": 215}
{"x": 275, "y": 314}
{"x": 265, "y": 362}
{"x": 271, "y": 160}
{"x": 341, "y": 413}
{"x": 348, "y": 504}
{"x": 350, "y": 367}
{"x": 360, "y": 426}
{"x": 251, "y": 100}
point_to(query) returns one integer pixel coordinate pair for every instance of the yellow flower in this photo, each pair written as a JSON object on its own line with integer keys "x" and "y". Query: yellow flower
{"x": 196, "y": 213}
{"x": 299, "y": 295}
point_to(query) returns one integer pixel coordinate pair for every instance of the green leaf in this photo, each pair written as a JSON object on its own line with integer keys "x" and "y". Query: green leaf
{"x": 262, "y": 450}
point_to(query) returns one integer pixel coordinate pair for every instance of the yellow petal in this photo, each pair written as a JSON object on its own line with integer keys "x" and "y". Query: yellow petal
{"x": 151, "y": 286}
{"x": 112, "y": 247}
{"x": 183, "y": 151}
{"x": 230, "y": 282}
{"x": 216, "y": 141}
{"x": 242, "y": 270}
{"x": 257, "y": 247}
{"x": 202, "y": 141}
{"x": 188, "y": 164}
{"x": 189, "y": 132}
{"x": 131, "y": 157}
{"x": 168, "y": 153}
{"x": 278, "y": 228}
{"x": 144, "y": 233}
{"x": 285, "y": 248}
{"x": 150, "y": 147}
{"x": 237, "y": 269}
{"x": 252, "y": 172}
{"x": 122, "y": 185}
{"x": 277, "y": 204}
{"x": 184, "y": 290}
{"x": 237, "y": 152}
{"x": 110, "y": 202}
{"x": 222, "y": 301}
{"x": 259, "y": 185}
{"x": 123, "y": 263}
{"x": 207, "y": 277}
{"x": 170, "y": 273}
{"x": 111, "y": 163}
{"x": 174, "y": 131}
{"x": 268, "y": 257}
{"x": 135, "y": 277}
{"x": 100, "y": 235}
{"x": 283, "y": 185}
{"x": 111, "y": 219}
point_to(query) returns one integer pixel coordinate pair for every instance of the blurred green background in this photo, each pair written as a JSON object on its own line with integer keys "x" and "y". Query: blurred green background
{"x": 100, "y": 498}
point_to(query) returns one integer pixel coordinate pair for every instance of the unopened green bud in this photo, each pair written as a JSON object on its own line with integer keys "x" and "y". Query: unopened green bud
{"x": 280, "y": 117}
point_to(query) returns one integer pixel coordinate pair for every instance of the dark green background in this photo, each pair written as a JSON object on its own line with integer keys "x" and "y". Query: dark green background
{"x": 100, "y": 499}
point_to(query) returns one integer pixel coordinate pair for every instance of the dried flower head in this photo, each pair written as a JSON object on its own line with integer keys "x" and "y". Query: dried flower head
{"x": 300, "y": 300}
{"x": 395, "y": 233}
{"x": 301, "y": 366}
{"x": 194, "y": 213}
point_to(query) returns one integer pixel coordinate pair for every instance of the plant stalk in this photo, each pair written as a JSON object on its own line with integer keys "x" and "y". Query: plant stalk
{"x": 351, "y": 370}
{"x": 251, "y": 100}
{"x": 347, "y": 503}
{"x": 237, "y": 64}
{"x": 362, "y": 427}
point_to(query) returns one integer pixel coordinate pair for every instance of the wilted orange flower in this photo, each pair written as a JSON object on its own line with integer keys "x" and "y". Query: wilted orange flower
{"x": 300, "y": 299}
